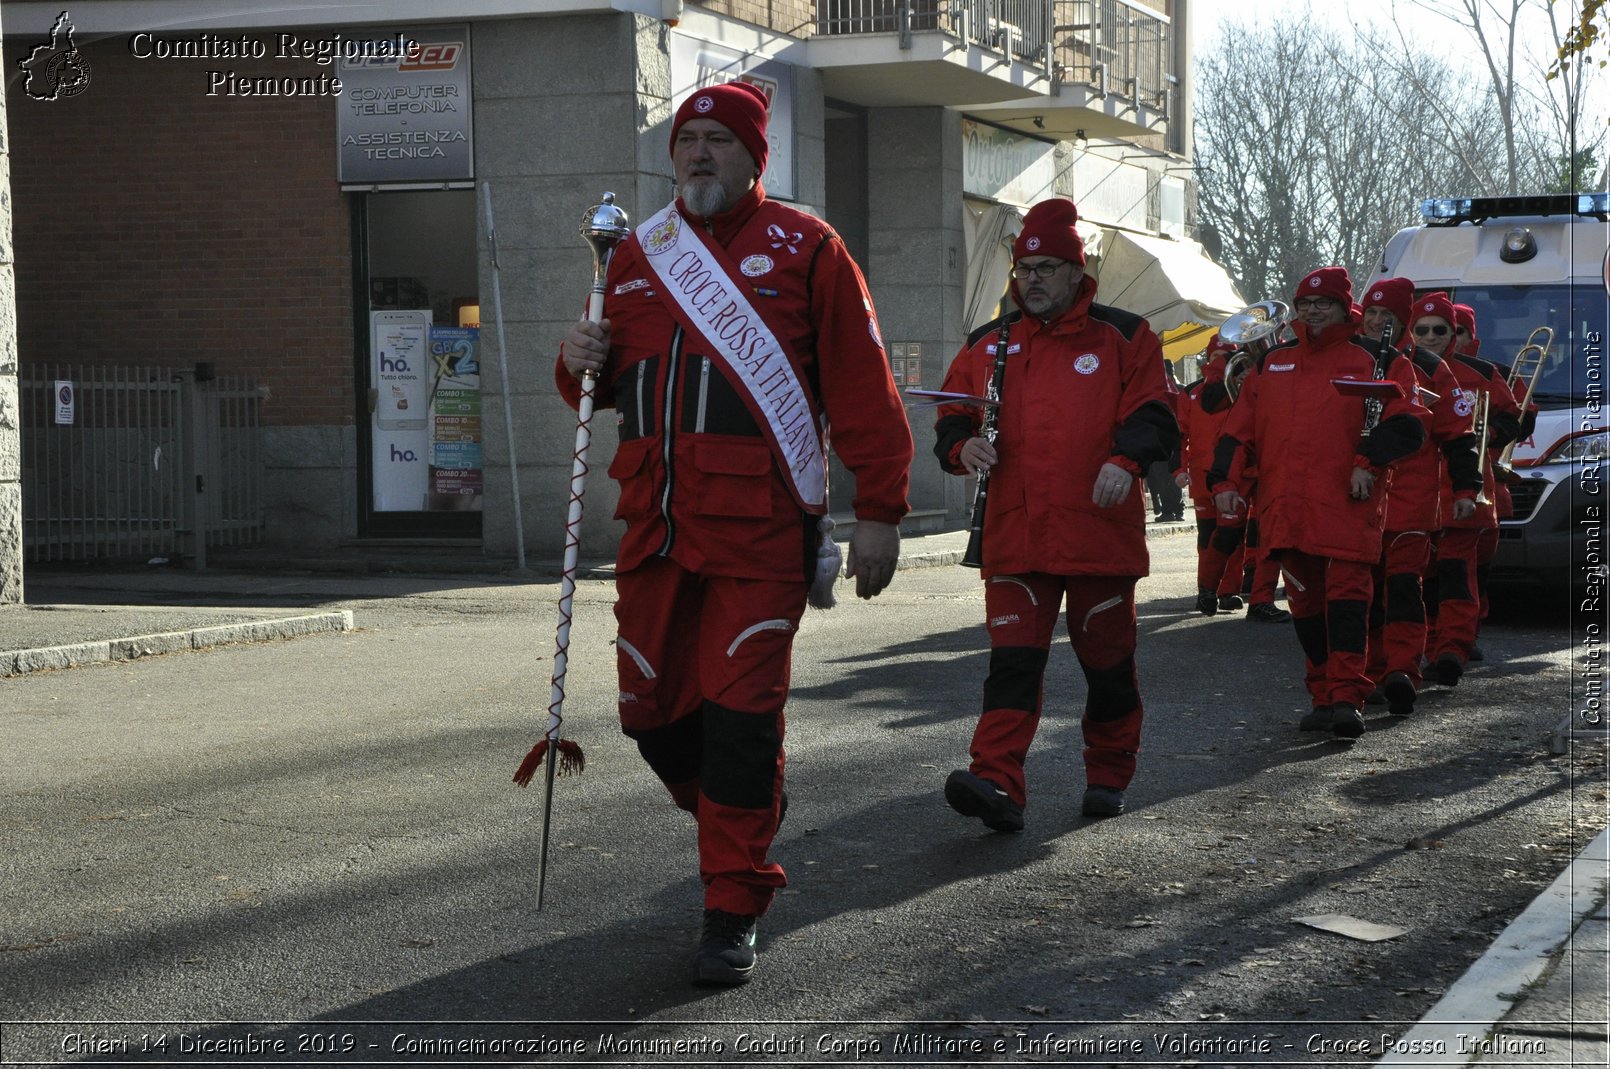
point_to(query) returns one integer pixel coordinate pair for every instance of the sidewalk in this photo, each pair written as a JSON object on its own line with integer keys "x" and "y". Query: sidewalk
{"x": 1538, "y": 996}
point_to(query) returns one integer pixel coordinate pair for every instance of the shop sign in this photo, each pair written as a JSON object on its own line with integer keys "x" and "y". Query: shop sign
{"x": 406, "y": 119}
{"x": 1006, "y": 166}
{"x": 697, "y": 64}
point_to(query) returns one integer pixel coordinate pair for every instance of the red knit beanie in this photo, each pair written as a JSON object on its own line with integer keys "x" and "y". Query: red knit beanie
{"x": 1396, "y": 295}
{"x": 738, "y": 106}
{"x": 1048, "y": 231}
{"x": 1332, "y": 282}
{"x": 1434, "y": 304}
{"x": 1466, "y": 317}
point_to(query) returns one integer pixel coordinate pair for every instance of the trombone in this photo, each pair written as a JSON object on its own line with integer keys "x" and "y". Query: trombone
{"x": 1528, "y": 367}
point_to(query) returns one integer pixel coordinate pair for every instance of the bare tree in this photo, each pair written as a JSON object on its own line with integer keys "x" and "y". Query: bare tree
{"x": 1314, "y": 147}
{"x": 1546, "y": 127}
{"x": 1311, "y": 151}
{"x": 1576, "y": 47}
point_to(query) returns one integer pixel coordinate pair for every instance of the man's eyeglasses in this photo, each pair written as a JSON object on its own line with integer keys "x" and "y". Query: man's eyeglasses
{"x": 1316, "y": 304}
{"x": 1423, "y": 329}
{"x": 1040, "y": 270}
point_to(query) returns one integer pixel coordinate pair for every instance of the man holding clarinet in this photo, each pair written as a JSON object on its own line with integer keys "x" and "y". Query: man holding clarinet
{"x": 1082, "y": 412}
{"x": 735, "y": 331}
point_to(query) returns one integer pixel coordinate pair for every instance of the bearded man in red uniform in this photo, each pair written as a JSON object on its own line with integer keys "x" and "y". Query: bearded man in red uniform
{"x": 1083, "y": 413}
{"x": 1321, "y": 488}
{"x": 735, "y": 330}
{"x": 1438, "y": 481}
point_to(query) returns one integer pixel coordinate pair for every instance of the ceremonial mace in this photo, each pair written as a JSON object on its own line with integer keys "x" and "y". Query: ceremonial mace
{"x": 604, "y": 226}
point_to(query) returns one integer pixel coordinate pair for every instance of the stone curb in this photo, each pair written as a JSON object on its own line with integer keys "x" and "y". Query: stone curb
{"x": 1472, "y": 1009}
{"x": 16, "y": 662}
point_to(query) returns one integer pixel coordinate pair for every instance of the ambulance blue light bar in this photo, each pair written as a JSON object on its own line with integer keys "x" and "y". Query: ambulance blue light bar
{"x": 1451, "y": 211}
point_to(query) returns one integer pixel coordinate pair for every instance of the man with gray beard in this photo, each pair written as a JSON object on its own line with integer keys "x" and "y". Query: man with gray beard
{"x": 736, "y": 332}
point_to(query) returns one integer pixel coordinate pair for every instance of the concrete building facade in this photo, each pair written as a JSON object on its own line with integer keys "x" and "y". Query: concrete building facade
{"x": 165, "y": 217}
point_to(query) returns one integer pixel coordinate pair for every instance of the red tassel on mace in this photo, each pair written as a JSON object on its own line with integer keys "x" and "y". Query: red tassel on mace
{"x": 570, "y": 761}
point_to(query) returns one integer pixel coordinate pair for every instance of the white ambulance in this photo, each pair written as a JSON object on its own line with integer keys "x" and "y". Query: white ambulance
{"x": 1523, "y": 263}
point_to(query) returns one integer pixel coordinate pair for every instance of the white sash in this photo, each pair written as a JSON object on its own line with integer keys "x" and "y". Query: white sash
{"x": 708, "y": 299}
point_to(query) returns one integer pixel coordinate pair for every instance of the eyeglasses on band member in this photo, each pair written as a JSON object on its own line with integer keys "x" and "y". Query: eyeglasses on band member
{"x": 1044, "y": 269}
{"x": 1423, "y": 329}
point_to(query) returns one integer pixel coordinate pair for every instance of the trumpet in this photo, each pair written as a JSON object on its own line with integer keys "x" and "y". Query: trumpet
{"x": 1484, "y": 402}
{"x": 1528, "y": 366}
{"x": 1257, "y": 328}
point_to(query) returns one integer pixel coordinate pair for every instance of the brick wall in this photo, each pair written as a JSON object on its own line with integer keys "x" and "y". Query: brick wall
{"x": 794, "y": 17}
{"x": 158, "y": 225}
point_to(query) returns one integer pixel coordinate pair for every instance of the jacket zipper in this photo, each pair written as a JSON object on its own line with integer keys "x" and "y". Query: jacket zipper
{"x": 704, "y": 393}
{"x": 668, "y": 429}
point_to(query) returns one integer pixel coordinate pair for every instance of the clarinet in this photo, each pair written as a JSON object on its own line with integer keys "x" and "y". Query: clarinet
{"x": 974, "y": 556}
{"x": 1373, "y": 406}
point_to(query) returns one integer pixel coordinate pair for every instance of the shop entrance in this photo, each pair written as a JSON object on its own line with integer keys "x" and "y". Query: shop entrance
{"x": 417, "y": 364}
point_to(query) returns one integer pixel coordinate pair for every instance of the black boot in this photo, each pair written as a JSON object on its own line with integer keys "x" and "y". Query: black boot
{"x": 727, "y": 948}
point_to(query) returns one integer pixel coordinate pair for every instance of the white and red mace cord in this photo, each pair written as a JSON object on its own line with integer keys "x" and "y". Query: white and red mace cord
{"x": 604, "y": 227}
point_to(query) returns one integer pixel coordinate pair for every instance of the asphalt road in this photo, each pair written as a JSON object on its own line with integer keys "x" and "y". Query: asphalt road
{"x": 318, "y": 840}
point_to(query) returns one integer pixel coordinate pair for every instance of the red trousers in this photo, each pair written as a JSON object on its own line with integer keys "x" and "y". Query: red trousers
{"x": 1264, "y": 568}
{"x": 1486, "y": 549}
{"x": 1458, "y": 608}
{"x": 1398, "y": 616}
{"x": 1220, "y": 550}
{"x": 1021, "y": 613}
{"x": 703, "y": 664}
{"x": 1330, "y": 601}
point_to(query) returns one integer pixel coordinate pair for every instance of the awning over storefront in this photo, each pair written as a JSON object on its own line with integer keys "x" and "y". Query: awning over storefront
{"x": 1170, "y": 283}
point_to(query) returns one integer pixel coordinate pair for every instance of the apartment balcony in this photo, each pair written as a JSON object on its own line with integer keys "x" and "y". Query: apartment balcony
{"x": 1047, "y": 67}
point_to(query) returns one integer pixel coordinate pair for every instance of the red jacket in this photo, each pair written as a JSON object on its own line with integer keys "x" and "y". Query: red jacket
{"x": 1199, "y": 433}
{"x": 1425, "y": 482}
{"x": 1083, "y": 390}
{"x": 1307, "y": 437}
{"x": 698, "y": 481}
{"x": 1475, "y": 376}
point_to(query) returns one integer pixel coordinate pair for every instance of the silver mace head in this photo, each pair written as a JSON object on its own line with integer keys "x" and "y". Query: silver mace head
{"x": 604, "y": 226}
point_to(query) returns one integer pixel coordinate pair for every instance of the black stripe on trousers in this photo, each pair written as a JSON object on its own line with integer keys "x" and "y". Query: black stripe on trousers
{"x": 740, "y": 757}
{"x": 1112, "y": 692}
{"x": 1015, "y": 676}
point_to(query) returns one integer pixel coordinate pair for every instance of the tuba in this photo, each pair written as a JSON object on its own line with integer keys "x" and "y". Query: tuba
{"x": 1256, "y": 329}
{"x": 1528, "y": 368}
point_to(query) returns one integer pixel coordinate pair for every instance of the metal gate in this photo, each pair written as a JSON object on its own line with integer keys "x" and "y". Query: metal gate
{"x": 124, "y": 462}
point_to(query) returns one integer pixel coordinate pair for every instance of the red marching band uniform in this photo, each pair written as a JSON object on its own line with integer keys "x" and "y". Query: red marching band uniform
{"x": 1084, "y": 389}
{"x": 1452, "y": 634}
{"x": 1220, "y": 546}
{"x": 708, "y": 506}
{"x": 1424, "y": 485}
{"x": 1308, "y": 437}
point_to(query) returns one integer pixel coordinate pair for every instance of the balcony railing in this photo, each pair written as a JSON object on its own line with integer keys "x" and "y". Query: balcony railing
{"x": 1012, "y": 27}
{"x": 1116, "y": 49}
{"x": 1105, "y": 44}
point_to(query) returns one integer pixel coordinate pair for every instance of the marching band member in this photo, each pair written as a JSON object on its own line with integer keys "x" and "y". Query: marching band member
{"x": 1468, "y": 343}
{"x": 1322, "y": 476}
{"x": 1437, "y": 480}
{"x": 1083, "y": 413}
{"x": 731, "y": 323}
{"x": 1260, "y": 571}
{"x": 1458, "y": 608}
{"x": 1220, "y": 546}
